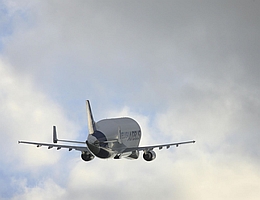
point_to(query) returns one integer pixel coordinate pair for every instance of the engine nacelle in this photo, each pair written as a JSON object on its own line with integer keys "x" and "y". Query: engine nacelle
{"x": 86, "y": 156}
{"x": 149, "y": 155}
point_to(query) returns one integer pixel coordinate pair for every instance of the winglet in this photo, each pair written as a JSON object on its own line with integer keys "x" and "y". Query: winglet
{"x": 91, "y": 122}
{"x": 119, "y": 135}
{"x": 55, "y": 139}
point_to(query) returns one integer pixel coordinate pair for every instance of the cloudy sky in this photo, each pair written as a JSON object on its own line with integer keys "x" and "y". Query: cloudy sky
{"x": 183, "y": 69}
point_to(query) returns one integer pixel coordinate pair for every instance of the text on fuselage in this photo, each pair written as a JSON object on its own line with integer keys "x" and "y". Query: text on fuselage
{"x": 130, "y": 135}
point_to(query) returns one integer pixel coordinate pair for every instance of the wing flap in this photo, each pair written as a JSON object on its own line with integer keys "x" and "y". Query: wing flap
{"x": 149, "y": 148}
{"x": 78, "y": 148}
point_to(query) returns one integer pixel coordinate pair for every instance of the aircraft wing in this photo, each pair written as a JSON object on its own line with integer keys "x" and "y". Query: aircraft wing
{"x": 149, "y": 148}
{"x": 78, "y": 148}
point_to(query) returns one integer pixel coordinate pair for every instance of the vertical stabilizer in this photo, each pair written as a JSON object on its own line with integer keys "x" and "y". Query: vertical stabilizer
{"x": 91, "y": 122}
{"x": 119, "y": 135}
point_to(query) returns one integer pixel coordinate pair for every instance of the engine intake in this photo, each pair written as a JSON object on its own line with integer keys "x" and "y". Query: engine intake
{"x": 86, "y": 156}
{"x": 149, "y": 155}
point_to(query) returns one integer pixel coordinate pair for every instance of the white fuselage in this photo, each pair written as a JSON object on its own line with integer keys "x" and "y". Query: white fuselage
{"x": 112, "y": 136}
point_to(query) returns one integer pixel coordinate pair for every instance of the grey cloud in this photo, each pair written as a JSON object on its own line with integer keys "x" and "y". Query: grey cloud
{"x": 117, "y": 41}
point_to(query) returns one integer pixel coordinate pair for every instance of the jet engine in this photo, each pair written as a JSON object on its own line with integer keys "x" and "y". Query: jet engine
{"x": 86, "y": 156}
{"x": 149, "y": 155}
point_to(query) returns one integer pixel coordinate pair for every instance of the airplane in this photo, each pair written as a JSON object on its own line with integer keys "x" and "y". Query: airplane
{"x": 109, "y": 138}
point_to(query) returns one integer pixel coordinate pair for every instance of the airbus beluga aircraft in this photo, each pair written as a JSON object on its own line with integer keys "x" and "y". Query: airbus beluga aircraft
{"x": 109, "y": 138}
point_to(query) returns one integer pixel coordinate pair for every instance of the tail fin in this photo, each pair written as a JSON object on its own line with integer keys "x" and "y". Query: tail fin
{"x": 91, "y": 122}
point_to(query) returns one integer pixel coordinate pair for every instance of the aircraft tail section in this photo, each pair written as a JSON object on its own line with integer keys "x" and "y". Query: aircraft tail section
{"x": 91, "y": 122}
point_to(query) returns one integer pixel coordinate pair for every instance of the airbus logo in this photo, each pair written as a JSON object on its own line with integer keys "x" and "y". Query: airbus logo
{"x": 130, "y": 135}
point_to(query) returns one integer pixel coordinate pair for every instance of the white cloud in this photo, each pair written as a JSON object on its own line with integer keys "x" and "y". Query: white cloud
{"x": 28, "y": 114}
{"x": 217, "y": 176}
{"x": 47, "y": 189}
{"x": 190, "y": 171}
